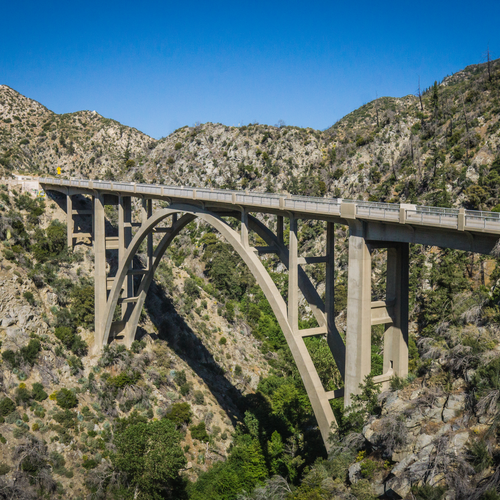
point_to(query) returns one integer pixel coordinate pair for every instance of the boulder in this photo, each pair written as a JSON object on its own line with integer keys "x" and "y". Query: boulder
{"x": 355, "y": 472}
{"x": 24, "y": 315}
{"x": 7, "y": 321}
{"x": 51, "y": 299}
{"x": 423, "y": 445}
{"x": 397, "y": 487}
{"x": 458, "y": 441}
{"x": 398, "y": 469}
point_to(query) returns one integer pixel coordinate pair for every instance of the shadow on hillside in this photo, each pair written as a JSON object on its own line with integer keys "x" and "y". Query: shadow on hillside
{"x": 170, "y": 325}
{"x": 180, "y": 337}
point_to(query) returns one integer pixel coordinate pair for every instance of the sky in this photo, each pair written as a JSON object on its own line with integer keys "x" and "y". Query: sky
{"x": 158, "y": 66}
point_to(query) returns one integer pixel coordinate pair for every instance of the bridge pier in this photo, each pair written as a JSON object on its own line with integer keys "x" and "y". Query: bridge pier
{"x": 124, "y": 239}
{"x": 100, "y": 282}
{"x": 396, "y": 334}
{"x": 70, "y": 225}
{"x": 293, "y": 278}
{"x": 362, "y": 313}
{"x": 358, "y": 335}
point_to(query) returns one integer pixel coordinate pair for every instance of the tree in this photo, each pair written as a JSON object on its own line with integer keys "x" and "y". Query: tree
{"x": 488, "y": 61}
{"x": 419, "y": 94}
{"x": 151, "y": 456}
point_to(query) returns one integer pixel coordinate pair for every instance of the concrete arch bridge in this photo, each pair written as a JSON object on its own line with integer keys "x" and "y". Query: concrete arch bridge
{"x": 371, "y": 225}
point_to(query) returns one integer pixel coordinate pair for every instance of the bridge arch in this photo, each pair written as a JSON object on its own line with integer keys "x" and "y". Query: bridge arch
{"x": 318, "y": 397}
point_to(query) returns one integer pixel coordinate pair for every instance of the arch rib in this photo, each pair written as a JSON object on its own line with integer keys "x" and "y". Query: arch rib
{"x": 317, "y": 395}
{"x": 334, "y": 339}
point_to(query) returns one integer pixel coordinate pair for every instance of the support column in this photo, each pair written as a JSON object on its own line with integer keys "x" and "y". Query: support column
{"x": 124, "y": 239}
{"x": 279, "y": 229}
{"x": 244, "y": 227}
{"x": 334, "y": 340}
{"x": 70, "y": 225}
{"x": 358, "y": 336}
{"x": 396, "y": 335}
{"x": 147, "y": 211}
{"x": 100, "y": 286}
{"x": 293, "y": 277}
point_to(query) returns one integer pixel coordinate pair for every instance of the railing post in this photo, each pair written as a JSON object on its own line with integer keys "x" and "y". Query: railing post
{"x": 461, "y": 219}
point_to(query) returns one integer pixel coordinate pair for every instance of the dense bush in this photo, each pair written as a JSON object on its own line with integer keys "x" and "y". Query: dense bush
{"x": 27, "y": 354}
{"x": 179, "y": 413}
{"x": 66, "y": 399}
{"x": 37, "y": 392}
{"x": 7, "y": 406}
{"x": 151, "y": 457}
{"x": 199, "y": 432}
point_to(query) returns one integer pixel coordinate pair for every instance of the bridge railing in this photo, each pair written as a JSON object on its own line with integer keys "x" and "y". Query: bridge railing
{"x": 432, "y": 216}
{"x": 375, "y": 209}
{"x": 436, "y": 216}
{"x": 476, "y": 219}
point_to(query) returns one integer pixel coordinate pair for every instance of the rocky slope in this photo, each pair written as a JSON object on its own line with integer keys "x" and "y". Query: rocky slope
{"x": 209, "y": 338}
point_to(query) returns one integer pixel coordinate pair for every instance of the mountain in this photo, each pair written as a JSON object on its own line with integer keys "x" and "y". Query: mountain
{"x": 207, "y": 404}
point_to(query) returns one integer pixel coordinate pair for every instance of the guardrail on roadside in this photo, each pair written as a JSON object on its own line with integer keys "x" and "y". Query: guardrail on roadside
{"x": 452, "y": 218}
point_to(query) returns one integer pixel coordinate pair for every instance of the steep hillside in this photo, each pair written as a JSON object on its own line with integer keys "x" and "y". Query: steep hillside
{"x": 211, "y": 379}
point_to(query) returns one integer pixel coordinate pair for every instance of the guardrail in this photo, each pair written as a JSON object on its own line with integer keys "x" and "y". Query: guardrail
{"x": 451, "y": 218}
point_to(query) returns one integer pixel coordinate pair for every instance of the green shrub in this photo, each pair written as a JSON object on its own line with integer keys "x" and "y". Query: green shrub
{"x": 65, "y": 335}
{"x": 22, "y": 395}
{"x": 26, "y": 354}
{"x": 428, "y": 492}
{"x": 180, "y": 377}
{"x": 7, "y": 406}
{"x": 66, "y": 418}
{"x": 199, "y": 432}
{"x": 177, "y": 146}
{"x": 185, "y": 389}
{"x": 398, "y": 383}
{"x": 179, "y": 413}
{"x": 199, "y": 399}
{"x": 480, "y": 456}
{"x": 66, "y": 399}
{"x": 238, "y": 370}
{"x": 368, "y": 468}
{"x": 222, "y": 341}
{"x": 4, "y": 469}
{"x": 29, "y": 297}
{"x": 90, "y": 463}
{"x": 124, "y": 379}
{"x": 30, "y": 352}
{"x": 191, "y": 288}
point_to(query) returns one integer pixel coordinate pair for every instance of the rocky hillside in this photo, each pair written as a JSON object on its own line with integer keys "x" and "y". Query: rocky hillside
{"x": 431, "y": 148}
{"x": 210, "y": 378}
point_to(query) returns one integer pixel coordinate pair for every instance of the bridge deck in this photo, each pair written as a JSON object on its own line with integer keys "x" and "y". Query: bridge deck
{"x": 484, "y": 226}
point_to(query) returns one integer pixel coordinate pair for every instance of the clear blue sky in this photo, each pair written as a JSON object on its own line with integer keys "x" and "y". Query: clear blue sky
{"x": 157, "y": 66}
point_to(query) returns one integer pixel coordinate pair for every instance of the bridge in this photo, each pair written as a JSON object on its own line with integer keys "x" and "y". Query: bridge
{"x": 371, "y": 225}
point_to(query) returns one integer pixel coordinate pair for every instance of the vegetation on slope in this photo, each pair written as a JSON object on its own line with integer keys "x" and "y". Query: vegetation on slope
{"x": 189, "y": 397}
